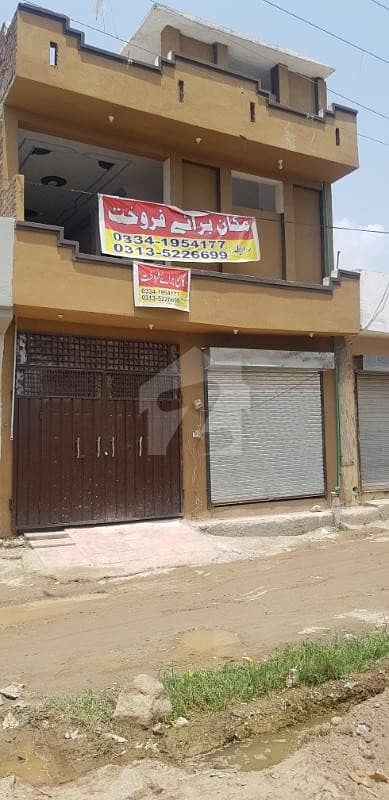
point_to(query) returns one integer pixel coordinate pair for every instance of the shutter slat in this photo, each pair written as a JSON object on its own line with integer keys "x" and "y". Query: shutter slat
{"x": 265, "y": 434}
{"x": 373, "y": 411}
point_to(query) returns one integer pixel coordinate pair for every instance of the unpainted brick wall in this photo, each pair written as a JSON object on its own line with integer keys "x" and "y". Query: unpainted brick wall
{"x": 8, "y": 189}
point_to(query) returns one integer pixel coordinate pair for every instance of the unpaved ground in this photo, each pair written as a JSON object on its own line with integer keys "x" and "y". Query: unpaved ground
{"x": 349, "y": 763}
{"x": 45, "y": 747}
{"x": 119, "y": 553}
{"x": 191, "y": 616}
{"x": 270, "y": 717}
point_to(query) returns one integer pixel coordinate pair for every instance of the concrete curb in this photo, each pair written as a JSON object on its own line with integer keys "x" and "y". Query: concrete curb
{"x": 292, "y": 523}
{"x": 289, "y": 524}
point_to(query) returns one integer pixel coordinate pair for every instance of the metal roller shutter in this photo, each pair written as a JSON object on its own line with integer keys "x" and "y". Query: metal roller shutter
{"x": 265, "y": 434}
{"x": 373, "y": 406}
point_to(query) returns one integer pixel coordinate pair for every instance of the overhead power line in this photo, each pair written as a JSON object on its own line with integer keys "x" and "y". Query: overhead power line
{"x": 372, "y": 139}
{"x": 306, "y": 77}
{"x": 327, "y": 32}
{"x": 323, "y": 226}
{"x": 381, "y": 5}
{"x": 110, "y": 35}
{"x": 371, "y": 110}
{"x": 360, "y": 105}
{"x": 248, "y": 48}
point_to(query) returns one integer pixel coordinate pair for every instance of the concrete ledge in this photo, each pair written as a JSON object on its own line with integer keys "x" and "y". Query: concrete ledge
{"x": 290, "y": 524}
{"x": 360, "y": 515}
{"x": 382, "y": 505}
{"x": 294, "y": 523}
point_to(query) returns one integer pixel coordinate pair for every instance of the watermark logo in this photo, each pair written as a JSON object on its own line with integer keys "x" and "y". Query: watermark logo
{"x": 228, "y": 401}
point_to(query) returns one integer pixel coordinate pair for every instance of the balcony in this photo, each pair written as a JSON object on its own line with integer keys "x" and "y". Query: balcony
{"x": 53, "y": 280}
{"x": 188, "y": 102}
{"x": 60, "y": 179}
{"x": 60, "y": 272}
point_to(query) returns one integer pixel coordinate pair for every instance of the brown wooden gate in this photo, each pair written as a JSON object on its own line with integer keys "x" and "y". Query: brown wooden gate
{"x": 97, "y": 431}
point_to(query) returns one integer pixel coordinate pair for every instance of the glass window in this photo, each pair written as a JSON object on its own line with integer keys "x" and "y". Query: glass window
{"x": 254, "y": 194}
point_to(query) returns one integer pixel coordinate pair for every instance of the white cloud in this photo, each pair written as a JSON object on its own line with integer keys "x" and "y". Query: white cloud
{"x": 361, "y": 250}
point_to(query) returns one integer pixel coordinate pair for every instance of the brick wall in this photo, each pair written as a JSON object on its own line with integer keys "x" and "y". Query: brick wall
{"x": 12, "y": 198}
{"x": 7, "y": 57}
{"x": 8, "y": 190}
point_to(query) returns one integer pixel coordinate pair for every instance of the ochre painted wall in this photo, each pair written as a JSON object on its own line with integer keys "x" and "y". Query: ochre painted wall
{"x": 299, "y": 91}
{"x": 309, "y": 265}
{"x": 302, "y": 93}
{"x": 198, "y": 185}
{"x": 48, "y": 280}
{"x": 172, "y": 40}
{"x": 201, "y": 187}
{"x": 201, "y": 190}
{"x": 88, "y": 88}
{"x": 196, "y": 49}
{"x": 193, "y": 450}
{"x": 371, "y": 345}
{"x": 271, "y": 235}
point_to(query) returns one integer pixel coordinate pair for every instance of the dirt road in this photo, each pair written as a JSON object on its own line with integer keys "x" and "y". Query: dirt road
{"x": 346, "y": 762}
{"x": 195, "y": 616}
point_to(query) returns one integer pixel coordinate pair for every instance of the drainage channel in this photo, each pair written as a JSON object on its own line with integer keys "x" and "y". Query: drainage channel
{"x": 263, "y": 751}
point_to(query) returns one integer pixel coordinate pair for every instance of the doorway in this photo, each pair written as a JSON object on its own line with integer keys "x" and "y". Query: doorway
{"x": 97, "y": 426}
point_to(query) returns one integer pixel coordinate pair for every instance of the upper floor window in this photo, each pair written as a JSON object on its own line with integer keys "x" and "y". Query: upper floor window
{"x": 249, "y": 191}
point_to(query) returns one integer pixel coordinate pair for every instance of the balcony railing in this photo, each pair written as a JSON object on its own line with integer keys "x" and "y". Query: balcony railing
{"x": 270, "y": 227}
{"x": 53, "y": 279}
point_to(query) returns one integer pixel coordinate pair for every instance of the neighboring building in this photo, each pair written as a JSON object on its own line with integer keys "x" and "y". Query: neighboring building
{"x": 371, "y": 364}
{"x": 201, "y": 118}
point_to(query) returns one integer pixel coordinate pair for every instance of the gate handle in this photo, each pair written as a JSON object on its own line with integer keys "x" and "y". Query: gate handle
{"x": 113, "y": 447}
{"x": 78, "y": 447}
{"x": 140, "y": 445}
{"x": 98, "y": 444}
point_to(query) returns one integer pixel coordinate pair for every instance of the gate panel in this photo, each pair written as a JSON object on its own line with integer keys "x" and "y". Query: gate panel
{"x": 171, "y": 488}
{"x": 140, "y": 464}
{"x": 28, "y": 462}
{"x": 120, "y": 458}
{"x": 158, "y": 476}
{"x": 97, "y": 462}
{"x": 77, "y": 464}
{"x": 92, "y": 417}
{"x": 87, "y": 436}
{"x": 52, "y": 454}
{"x": 129, "y": 456}
{"x": 66, "y": 461}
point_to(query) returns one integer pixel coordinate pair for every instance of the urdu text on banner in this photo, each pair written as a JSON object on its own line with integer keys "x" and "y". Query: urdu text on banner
{"x": 161, "y": 287}
{"x": 157, "y": 232}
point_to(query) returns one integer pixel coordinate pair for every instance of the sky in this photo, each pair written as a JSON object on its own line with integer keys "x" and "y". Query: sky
{"x": 360, "y": 199}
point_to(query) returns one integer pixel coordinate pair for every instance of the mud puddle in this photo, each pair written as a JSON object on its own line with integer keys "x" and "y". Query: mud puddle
{"x": 25, "y": 763}
{"x": 262, "y": 751}
{"x": 217, "y": 643}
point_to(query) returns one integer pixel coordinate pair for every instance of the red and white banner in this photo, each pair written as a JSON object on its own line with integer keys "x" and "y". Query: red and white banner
{"x": 156, "y": 232}
{"x": 161, "y": 287}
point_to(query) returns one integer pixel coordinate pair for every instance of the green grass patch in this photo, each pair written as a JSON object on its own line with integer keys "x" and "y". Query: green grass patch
{"x": 210, "y": 690}
{"x": 88, "y": 710}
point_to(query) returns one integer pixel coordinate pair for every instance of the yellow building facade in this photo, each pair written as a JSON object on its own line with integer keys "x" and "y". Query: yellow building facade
{"x": 240, "y": 412}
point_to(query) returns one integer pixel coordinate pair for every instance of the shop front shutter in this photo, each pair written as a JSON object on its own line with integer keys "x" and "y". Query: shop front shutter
{"x": 373, "y": 409}
{"x": 265, "y": 434}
